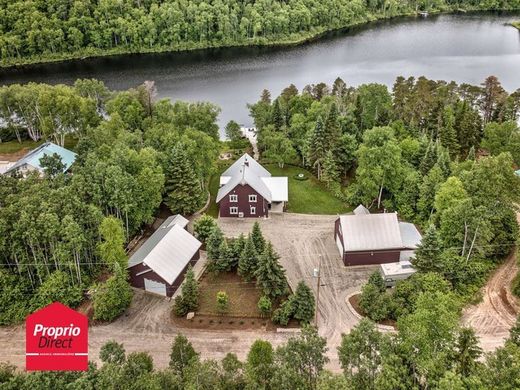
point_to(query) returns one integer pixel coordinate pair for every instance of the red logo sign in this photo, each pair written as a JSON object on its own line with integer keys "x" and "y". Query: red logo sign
{"x": 56, "y": 339}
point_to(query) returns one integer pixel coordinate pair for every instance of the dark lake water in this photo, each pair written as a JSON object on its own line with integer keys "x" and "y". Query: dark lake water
{"x": 464, "y": 48}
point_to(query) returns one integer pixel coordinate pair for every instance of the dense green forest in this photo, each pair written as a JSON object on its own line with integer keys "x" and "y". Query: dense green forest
{"x": 59, "y": 232}
{"x": 442, "y": 155}
{"x": 440, "y": 356}
{"x": 38, "y": 30}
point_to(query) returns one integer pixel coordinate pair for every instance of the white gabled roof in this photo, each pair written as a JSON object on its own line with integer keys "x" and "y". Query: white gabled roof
{"x": 172, "y": 254}
{"x": 253, "y": 165}
{"x": 370, "y": 232}
{"x": 168, "y": 250}
{"x": 361, "y": 210}
{"x": 245, "y": 176}
{"x": 279, "y": 188}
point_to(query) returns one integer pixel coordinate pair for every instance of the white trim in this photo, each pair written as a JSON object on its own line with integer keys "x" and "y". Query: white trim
{"x": 233, "y": 198}
{"x": 233, "y": 210}
{"x": 252, "y": 210}
{"x": 143, "y": 272}
{"x": 253, "y": 199}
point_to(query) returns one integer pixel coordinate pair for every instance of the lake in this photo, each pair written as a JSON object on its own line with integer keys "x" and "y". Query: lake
{"x": 464, "y": 48}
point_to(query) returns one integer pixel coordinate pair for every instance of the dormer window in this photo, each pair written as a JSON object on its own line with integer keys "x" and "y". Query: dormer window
{"x": 252, "y": 198}
{"x": 233, "y": 198}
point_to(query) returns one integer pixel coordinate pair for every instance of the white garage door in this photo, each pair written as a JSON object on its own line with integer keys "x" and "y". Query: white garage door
{"x": 340, "y": 245}
{"x": 155, "y": 287}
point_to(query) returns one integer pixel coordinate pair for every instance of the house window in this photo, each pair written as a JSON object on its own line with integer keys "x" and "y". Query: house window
{"x": 253, "y": 210}
{"x": 233, "y": 210}
{"x": 252, "y": 198}
{"x": 233, "y": 198}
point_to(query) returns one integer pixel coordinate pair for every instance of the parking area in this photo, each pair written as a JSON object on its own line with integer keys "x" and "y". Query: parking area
{"x": 300, "y": 240}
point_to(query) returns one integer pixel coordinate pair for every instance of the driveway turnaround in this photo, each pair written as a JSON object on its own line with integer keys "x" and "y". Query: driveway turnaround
{"x": 300, "y": 240}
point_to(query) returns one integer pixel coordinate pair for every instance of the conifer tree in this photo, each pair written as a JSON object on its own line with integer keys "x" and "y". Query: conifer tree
{"x": 270, "y": 275}
{"x": 429, "y": 159}
{"x": 188, "y": 300}
{"x": 235, "y": 250}
{"x": 183, "y": 192}
{"x": 277, "y": 115}
{"x": 332, "y": 128}
{"x": 224, "y": 262}
{"x": 248, "y": 260}
{"x": 444, "y": 161}
{"x": 447, "y": 133}
{"x": 330, "y": 172}
{"x": 303, "y": 303}
{"x": 427, "y": 254}
{"x": 472, "y": 156}
{"x": 318, "y": 146}
{"x": 213, "y": 244}
{"x": 257, "y": 238}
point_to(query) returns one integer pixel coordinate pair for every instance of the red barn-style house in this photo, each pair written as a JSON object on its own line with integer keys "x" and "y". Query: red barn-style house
{"x": 159, "y": 265}
{"x": 247, "y": 190}
{"x": 363, "y": 238}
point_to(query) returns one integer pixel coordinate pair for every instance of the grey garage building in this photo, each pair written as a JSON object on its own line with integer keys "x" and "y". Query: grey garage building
{"x": 159, "y": 265}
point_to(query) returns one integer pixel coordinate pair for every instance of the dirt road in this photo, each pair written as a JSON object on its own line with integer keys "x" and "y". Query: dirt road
{"x": 495, "y": 315}
{"x": 300, "y": 240}
{"x": 146, "y": 327}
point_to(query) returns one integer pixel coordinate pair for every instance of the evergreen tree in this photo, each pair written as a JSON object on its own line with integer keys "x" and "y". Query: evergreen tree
{"x": 332, "y": 128}
{"x": 318, "y": 146}
{"x": 514, "y": 333}
{"x": 330, "y": 171}
{"x": 303, "y": 303}
{"x": 257, "y": 238}
{"x": 181, "y": 355}
{"x": 248, "y": 260}
{"x": 339, "y": 87}
{"x": 427, "y": 254}
{"x": 377, "y": 281}
{"x": 472, "y": 156}
{"x": 264, "y": 305}
{"x": 429, "y": 159}
{"x": 277, "y": 115}
{"x": 203, "y": 227}
{"x": 270, "y": 276}
{"x": 444, "y": 161}
{"x": 467, "y": 352}
{"x": 265, "y": 97}
{"x": 224, "y": 261}
{"x": 188, "y": 300}
{"x": 235, "y": 250}
{"x": 183, "y": 191}
{"x": 213, "y": 243}
{"x": 447, "y": 133}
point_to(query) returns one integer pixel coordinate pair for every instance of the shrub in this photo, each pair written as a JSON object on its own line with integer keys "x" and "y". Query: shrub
{"x": 112, "y": 352}
{"x": 264, "y": 305}
{"x": 222, "y": 302}
{"x": 112, "y": 297}
{"x": 188, "y": 300}
{"x": 283, "y": 314}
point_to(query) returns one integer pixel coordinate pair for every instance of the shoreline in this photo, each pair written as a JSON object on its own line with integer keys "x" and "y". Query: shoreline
{"x": 303, "y": 38}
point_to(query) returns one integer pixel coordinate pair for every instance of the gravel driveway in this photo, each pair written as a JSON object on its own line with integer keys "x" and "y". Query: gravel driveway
{"x": 300, "y": 239}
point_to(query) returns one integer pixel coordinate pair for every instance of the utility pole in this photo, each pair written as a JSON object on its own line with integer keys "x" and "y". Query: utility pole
{"x": 317, "y": 274}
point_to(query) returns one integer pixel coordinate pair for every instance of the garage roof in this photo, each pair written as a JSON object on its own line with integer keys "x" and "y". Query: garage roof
{"x": 364, "y": 232}
{"x": 279, "y": 188}
{"x": 168, "y": 250}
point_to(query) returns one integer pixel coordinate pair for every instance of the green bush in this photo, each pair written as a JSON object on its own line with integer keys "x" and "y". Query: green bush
{"x": 222, "y": 302}
{"x": 264, "y": 305}
{"x": 112, "y": 297}
{"x": 203, "y": 227}
{"x": 283, "y": 314}
{"x": 14, "y": 304}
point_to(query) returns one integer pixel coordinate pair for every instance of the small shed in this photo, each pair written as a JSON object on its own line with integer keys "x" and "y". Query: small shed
{"x": 159, "y": 265}
{"x": 394, "y": 272}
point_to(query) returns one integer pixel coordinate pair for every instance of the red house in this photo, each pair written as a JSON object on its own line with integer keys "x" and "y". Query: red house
{"x": 363, "y": 238}
{"x": 247, "y": 190}
{"x": 159, "y": 265}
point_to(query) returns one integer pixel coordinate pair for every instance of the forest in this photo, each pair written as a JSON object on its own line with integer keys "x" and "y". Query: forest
{"x": 61, "y": 233}
{"x": 449, "y": 359}
{"x": 38, "y": 31}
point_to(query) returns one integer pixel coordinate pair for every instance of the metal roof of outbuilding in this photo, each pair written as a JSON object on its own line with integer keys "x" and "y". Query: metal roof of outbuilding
{"x": 169, "y": 249}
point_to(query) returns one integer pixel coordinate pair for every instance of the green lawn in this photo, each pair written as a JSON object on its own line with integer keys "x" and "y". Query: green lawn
{"x": 305, "y": 197}
{"x": 308, "y": 196}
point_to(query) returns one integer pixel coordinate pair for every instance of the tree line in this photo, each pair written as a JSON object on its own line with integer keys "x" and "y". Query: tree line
{"x": 35, "y": 31}
{"x": 426, "y": 353}
{"x": 59, "y": 232}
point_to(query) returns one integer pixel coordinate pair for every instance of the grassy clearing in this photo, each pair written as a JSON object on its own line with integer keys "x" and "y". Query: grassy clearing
{"x": 243, "y": 297}
{"x": 516, "y": 24}
{"x": 214, "y": 183}
{"x": 308, "y": 196}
